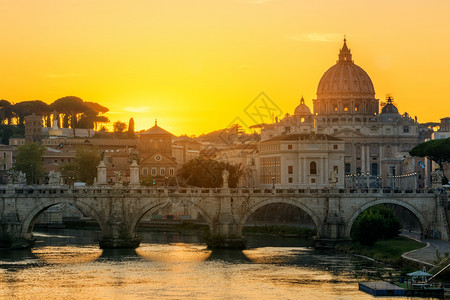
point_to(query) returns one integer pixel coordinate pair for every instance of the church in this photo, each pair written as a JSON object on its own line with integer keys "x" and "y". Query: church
{"x": 375, "y": 144}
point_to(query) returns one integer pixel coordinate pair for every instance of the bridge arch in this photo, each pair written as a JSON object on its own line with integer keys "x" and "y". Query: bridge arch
{"x": 154, "y": 206}
{"x": 361, "y": 209}
{"x": 33, "y": 215}
{"x": 317, "y": 222}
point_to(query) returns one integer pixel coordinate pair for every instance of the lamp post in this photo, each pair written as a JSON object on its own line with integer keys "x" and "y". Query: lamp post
{"x": 273, "y": 182}
{"x": 32, "y": 173}
{"x": 368, "y": 179}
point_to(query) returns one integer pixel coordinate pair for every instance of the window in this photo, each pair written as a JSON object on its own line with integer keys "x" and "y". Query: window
{"x": 374, "y": 169}
{"x": 405, "y": 129}
{"x": 289, "y": 147}
{"x": 153, "y": 171}
{"x": 171, "y": 171}
{"x": 313, "y": 168}
{"x": 162, "y": 171}
{"x": 290, "y": 180}
{"x": 335, "y": 147}
{"x": 313, "y": 180}
{"x": 144, "y": 171}
{"x": 290, "y": 169}
{"x": 348, "y": 169}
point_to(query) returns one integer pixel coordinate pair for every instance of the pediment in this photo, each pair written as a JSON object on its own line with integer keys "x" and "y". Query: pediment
{"x": 347, "y": 132}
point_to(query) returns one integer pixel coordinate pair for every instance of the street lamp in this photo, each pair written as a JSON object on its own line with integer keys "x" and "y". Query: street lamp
{"x": 368, "y": 184}
{"x": 32, "y": 174}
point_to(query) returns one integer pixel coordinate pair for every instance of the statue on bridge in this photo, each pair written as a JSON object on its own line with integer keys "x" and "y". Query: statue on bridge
{"x": 54, "y": 178}
{"x": 225, "y": 176}
{"x": 16, "y": 177}
{"x": 332, "y": 179}
{"x": 436, "y": 178}
{"x": 118, "y": 178}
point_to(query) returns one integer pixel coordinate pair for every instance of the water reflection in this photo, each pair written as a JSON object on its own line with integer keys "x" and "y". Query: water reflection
{"x": 59, "y": 268}
{"x": 67, "y": 254}
{"x": 180, "y": 252}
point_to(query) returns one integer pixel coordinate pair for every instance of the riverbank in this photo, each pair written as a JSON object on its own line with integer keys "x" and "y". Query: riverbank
{"x": 386, "y": 251}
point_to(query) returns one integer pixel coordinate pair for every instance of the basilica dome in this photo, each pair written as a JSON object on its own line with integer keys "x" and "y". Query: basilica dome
{"x": 345, "y": 80}
{"x": 302, "y": 110}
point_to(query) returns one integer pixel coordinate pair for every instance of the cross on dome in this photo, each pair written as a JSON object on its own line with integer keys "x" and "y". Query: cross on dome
{"x": 345, "y": 55}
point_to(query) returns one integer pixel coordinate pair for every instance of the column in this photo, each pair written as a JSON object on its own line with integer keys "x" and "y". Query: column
{"x": 368, "y": 158}
{"x": 363, "y": 158}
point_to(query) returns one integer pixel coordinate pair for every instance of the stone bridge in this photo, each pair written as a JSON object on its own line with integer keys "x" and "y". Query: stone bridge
{"x": 119, "y": 210}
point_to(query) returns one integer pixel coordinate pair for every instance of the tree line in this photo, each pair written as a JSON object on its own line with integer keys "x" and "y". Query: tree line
{"x": 69, "y": 112}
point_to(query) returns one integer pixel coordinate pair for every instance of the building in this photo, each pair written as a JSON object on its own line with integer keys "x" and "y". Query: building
{"x": 155, "y": 155}
{"x": 6, "y": 161}
{"x": 301, "y": 161}
{"x": 33, "y": 129}
{"x": 375, "y": 143}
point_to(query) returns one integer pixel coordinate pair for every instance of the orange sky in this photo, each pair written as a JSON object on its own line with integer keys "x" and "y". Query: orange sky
{"x": 197, "y": 64}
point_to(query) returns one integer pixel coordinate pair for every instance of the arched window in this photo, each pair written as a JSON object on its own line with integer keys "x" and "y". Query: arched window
{"x": 313, "y": 168}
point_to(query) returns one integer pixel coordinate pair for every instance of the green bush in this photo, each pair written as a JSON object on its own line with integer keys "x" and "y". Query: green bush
{"x": 375, "y": 223}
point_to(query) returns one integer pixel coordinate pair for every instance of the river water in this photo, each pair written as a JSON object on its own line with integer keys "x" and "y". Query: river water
{"x": 68, "y": 264}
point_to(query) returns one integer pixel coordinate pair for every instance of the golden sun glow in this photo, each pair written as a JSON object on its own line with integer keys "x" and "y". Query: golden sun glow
{"x": 196, "y": 65}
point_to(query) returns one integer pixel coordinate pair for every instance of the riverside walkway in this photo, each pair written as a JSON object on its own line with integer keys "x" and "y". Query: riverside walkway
{"x": 427, "y": 254}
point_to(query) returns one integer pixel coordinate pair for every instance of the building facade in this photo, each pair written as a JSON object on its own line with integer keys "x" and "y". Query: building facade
{"x": 375, "y": 143}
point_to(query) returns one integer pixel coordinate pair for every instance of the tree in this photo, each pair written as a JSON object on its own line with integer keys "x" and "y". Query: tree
{"x": 375, "y": 223}
{"x": 6, "y": 113}
{"x": 25, "y": 108}
{"x": 436, "y": 150}
{"x": 84, "y": 167}
{"x": 29, "y": 161}
{"x": 70, "y": 107}
{"x": 207, "y": 173}
{"x": 119, "y": 127}
{"x": 147, "y": 181}
{"x": 131, "y": 128}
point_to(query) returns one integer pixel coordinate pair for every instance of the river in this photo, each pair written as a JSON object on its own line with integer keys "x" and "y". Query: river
{"x": 68, "y": 264}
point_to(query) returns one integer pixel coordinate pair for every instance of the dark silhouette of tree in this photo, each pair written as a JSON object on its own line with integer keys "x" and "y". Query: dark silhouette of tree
{"x": 436, "y": 150}
{"x": 84, "y": 167}
{"x": 119, "y": 127}
{"x": 70, "y": 107}
{"x": 207, "y": 173}
{"x": 95, "y": 114}
{"x": 29, "y": 161}
{"x": 26, "y": 108}
{"x": 375, "y": 223}
{"x": 131, "y": 128}
{"x": 6, "y": 113}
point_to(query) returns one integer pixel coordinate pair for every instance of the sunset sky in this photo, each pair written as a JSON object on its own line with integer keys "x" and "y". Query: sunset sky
{"x": 195, "y": 65}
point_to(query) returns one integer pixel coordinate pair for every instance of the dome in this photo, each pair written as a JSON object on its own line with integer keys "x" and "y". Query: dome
{"x": 302, "y": 110}
{"x": 345, "y": 79}
{"x": 389, "y": 108}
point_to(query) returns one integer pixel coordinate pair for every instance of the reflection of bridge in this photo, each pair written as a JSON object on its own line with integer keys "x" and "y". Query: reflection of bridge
{"x": 119, "y": 210}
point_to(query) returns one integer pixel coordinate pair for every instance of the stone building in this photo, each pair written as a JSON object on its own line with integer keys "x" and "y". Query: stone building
{"x": 375, "y": 143}
{"x": 302, "y": 160}
{"x": 6, "y": 161}
{"x": 33, "y": 129}
{"x": 155, "y": 155}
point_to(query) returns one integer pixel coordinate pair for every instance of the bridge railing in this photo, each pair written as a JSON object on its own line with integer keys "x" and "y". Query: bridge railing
{"x": 96, "y": 190}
